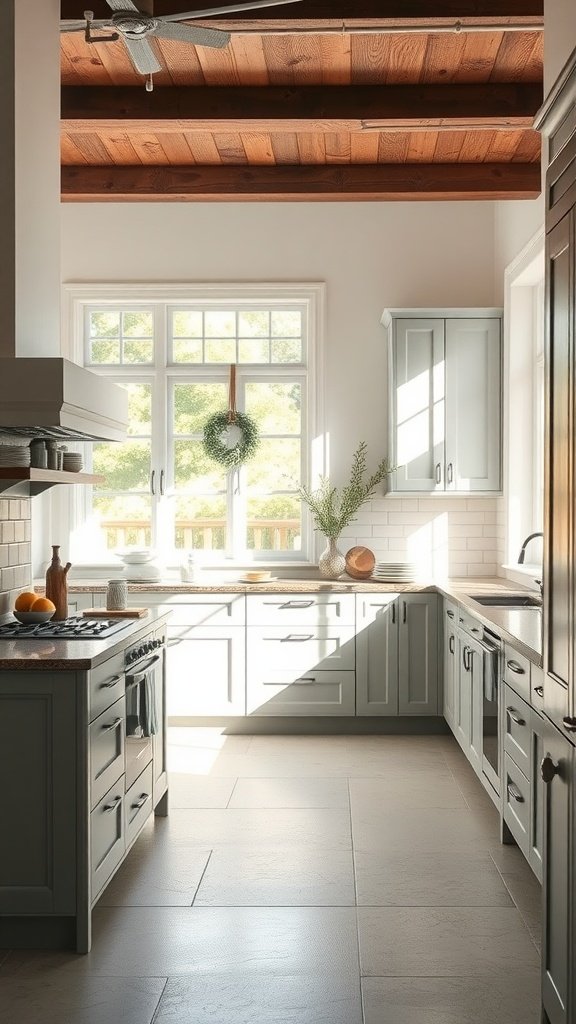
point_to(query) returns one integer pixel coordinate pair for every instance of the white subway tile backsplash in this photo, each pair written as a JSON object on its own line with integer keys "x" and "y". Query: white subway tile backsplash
{"x": 480, "y": 543}
{"x": 387, "y": 531}
{"x": 487, "y": 569}
{"x": 15, "y": 567}
{"x": 473, "y": 530}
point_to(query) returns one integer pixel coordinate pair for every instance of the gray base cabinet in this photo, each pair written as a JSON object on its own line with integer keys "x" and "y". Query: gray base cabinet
{"x": 418, "y": 655}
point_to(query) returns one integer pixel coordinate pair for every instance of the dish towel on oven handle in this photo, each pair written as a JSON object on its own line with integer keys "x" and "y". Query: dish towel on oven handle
{"x": 141, "y": 716}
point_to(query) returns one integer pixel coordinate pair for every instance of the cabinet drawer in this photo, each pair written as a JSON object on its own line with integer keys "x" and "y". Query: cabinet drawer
{"x": 207, "y": 610}
{"x": 107, "y": 739}
{"x": 469, "y": 624}
{"x": 517, "y": 730}
{"x": 537, "y": 687}
{"x": 517, "y": 672}
{"x": 300, "y": 609}
{"x": 106, "y": 685}
{"x": 301, "y": 648}
{"x": 138, "y": 754}
{"x": 312, "y": 693}
{"x": 371, "y": 607}
{"x": 138, "y": 804}
{"x": 517, "y": 803}
{"x": 107, "y": 836}
{"x": 451, "y": 612}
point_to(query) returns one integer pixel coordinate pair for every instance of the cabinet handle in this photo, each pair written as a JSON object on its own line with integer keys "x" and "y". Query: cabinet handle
{"x": 296, "y": 638}
{"x": 451, "y": 644}
{"x": 450, "y": 473}
{"x": 515, "y": 793}
{"x": 140, "y": 803}
{"x": 569, "y": 723}
{"x": 515, "y": 667}
{"x": 305, "y": 680}
{"x": 438, "y": 473}
{"x": 474, "y": 629}
{"x": 153, "y": 483}
{"x": 297, "y": 604}
{"x": 113, "y": 805}
{"x": 394, "y": 613}
{"x": 513, "y": 714}
{"x": 449, "y": 613}
{"x": 113, "y": 725}
{"x": 539, "y": 690}
{"x": 162, "y": 482}
{"x": 111, "y": 682}
{"x": 548, "y": 769}
{"x": 464, "y": 660}
{"x": 404, "y": 611}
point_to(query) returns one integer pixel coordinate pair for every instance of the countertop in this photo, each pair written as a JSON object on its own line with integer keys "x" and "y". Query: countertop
{"x": 73, "y": 655}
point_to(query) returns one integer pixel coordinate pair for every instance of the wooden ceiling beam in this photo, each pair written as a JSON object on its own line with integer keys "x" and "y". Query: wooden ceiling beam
{"x": 371, "y": 13}
{"x": 493, "y": 106}
{"x": 386, "y": 182}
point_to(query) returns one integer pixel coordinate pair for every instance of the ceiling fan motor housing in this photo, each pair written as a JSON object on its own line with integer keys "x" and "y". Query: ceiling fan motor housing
{"x": 134, "y": 26}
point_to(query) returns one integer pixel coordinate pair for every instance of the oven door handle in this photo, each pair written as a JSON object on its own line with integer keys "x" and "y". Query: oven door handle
{"x": 141, "y": 670}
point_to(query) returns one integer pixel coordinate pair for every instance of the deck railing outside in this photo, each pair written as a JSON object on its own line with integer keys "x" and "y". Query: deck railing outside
{"x": 205, "y": 534}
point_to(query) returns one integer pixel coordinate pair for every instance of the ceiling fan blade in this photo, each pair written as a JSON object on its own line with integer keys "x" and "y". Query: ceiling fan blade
{"x": 122, "y": 5}
{"x": 250, "y": 5}
{"x": 189, "y": 34}
{"x": 142, "y": 56}
{"x": 80, "y": 26}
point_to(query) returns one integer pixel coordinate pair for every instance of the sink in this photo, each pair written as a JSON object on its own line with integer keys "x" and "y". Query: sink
{"x": 508, "y": 600}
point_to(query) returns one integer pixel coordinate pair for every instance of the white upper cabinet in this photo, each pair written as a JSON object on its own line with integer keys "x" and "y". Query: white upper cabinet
{"x": 445, "y": 399}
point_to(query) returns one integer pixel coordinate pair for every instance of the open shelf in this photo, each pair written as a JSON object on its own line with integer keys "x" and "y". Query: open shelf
{"x": 27, "y": 481}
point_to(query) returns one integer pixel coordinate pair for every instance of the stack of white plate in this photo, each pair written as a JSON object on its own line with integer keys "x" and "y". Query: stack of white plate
{"x": 394, "y": 572}
{"x": 12, "y": 455}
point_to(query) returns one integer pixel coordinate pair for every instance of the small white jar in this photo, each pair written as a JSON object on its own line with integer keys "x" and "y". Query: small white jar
{"x": 116, "y": 595}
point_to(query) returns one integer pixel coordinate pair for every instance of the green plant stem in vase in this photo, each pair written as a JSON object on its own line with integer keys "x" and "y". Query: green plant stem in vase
{"x": 332, "y": 509}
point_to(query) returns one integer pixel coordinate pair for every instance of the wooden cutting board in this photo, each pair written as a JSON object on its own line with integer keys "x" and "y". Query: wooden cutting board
{"x": 105, "y": 613}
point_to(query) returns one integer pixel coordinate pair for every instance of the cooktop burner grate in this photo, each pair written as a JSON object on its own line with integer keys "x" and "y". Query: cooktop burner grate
{"x": 74, "y": 628}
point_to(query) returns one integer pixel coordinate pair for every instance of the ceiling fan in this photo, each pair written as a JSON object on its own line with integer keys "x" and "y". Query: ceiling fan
{"x": 136, "y": 26}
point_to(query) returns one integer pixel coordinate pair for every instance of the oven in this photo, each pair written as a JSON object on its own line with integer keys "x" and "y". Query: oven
{"x": 491, "y": 658}
{"x": 144, "y": 667}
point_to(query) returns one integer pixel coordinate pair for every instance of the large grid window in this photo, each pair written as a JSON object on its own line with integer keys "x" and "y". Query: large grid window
{"x": 160, "y": 489}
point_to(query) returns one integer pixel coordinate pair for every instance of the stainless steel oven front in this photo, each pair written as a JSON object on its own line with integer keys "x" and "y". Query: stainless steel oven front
{"x": 141, "y": 664}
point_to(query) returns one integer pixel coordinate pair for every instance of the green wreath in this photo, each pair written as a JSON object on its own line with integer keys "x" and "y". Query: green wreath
{"x": 244, "y": 449}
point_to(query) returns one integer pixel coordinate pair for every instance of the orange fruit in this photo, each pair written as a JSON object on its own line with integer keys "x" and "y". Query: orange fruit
{"x": 24, "y": 601}
{"x": 43, "y": 604}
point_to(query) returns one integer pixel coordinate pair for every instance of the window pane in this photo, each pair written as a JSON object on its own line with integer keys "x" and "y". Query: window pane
{"x": 275, "y": 407}
{"x": 125, "y": 467}
{"x": 275, "y": 467}
{"x": 194, "y": 471}
{"x": 186, "y": 351}
{"x": 104, "y": 324}
{"x": 125, "y": 520}
{"x": 105, "y": 352}
{"x": 274, "y": 523}
{"x": 253, "y": 351}
{"x": 286, "y": 323}
{"x": 139, "y": 408}
{"x": 200, "y": 523}
{"x": 187, "y": 323}
{"x": 286, "y": 350}
{"x": 194, "y": 404}
{"x": 220, "y": 350}
{"x": 254, "y": 324}
{"x": 138, "y": 324}
{"x": 138, "y": 352}
{"x": 220, "y": 323}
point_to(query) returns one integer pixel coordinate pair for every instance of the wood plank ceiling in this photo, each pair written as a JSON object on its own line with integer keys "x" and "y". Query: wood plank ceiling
{"x": 307, "y": 103}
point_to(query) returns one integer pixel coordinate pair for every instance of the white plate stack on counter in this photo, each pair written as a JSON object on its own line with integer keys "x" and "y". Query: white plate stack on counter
{"x": 394, "y": 572}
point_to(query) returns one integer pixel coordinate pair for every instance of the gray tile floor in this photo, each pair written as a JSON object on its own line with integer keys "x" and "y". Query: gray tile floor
{"x": 304, "y": 880}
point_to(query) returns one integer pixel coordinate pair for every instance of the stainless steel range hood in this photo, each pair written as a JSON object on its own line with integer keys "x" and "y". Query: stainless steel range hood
{"x": 54, "y": 398}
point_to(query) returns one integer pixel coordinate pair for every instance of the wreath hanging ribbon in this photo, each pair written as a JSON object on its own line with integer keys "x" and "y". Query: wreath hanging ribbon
{"x": 216, "y": 432}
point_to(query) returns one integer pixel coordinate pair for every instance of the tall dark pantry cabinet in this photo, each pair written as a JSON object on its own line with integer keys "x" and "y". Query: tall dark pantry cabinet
{"x": 557, "y": 121}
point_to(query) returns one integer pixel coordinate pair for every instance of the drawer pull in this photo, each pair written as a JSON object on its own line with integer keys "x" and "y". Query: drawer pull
{"x": 515, "y": 667}
{"x": 513, "y": 714}
{"x": 449, "y": 613}
{"x": 569, "y": 723}
{"x": 539, "y": 690}
{"x": 297, "y": 604}
{"x": 515, "y": 793}
{"x": 140, "y": 803}
{"x": 112, "y": 807}
{"x": 305, "y": 680}
{"x": 113, "y": 725}
{"x": 438, "y": 473}
{"x": 296, "y": 638}
{"x": 474, "y": 629}
{"x": 451, "y": 644}
{"x": 404, "y": 611}
{"x": 111, "y": 682}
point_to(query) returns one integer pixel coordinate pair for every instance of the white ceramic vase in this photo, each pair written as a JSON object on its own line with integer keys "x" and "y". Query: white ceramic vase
{"x": 331, "y": 563}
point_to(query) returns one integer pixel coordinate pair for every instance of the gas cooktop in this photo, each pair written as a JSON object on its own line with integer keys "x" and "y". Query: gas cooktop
{"x": 73, "y": 628}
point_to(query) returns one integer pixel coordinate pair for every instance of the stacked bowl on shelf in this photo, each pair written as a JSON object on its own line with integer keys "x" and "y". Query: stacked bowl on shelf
{"x": 14, "y": 455}
{"x": 72, "y": 462}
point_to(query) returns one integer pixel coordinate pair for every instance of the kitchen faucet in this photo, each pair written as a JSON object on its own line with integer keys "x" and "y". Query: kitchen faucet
{"x": 524, "y": 546}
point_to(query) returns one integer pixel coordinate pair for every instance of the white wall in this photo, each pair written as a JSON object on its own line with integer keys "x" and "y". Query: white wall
{"x": 559, "y": 37}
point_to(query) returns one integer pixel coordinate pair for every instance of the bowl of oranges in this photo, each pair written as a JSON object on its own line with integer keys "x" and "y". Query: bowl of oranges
{"x": 30, "y": 608}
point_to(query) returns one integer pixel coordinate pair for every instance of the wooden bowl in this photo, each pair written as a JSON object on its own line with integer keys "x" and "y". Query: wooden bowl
{"x": 360, "y": 562}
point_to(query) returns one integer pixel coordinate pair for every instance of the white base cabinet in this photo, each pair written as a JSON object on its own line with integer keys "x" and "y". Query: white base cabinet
{"x": 205, "y": 669}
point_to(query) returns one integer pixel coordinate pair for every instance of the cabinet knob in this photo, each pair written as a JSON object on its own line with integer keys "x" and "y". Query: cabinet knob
{"x": 569, "y": 723}
{"x": 548, "y": 769}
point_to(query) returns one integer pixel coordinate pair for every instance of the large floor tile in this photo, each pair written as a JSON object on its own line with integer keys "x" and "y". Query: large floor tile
{"x": 81, "y": 1000}
{"x": 413, "y": 790}
{"x": 192, "y": 791}
{"x": 513, "y": 999}
{"x": 526, "y": 892}
{"x": 275, "y": 878}
{"x": 208, "y": 738}
{"x": 426, "y": 830}
{"x": 443, "y": 941}
{"x": 411, "y": 879}
{"x": 290, "y": 793}
{"x": 235, "y": 998}
{"x": 279, "y": 828}
{"x": 157, "y": 874}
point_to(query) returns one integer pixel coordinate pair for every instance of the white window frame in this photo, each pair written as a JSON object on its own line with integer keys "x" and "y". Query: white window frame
{"x": 78, "y": 298}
